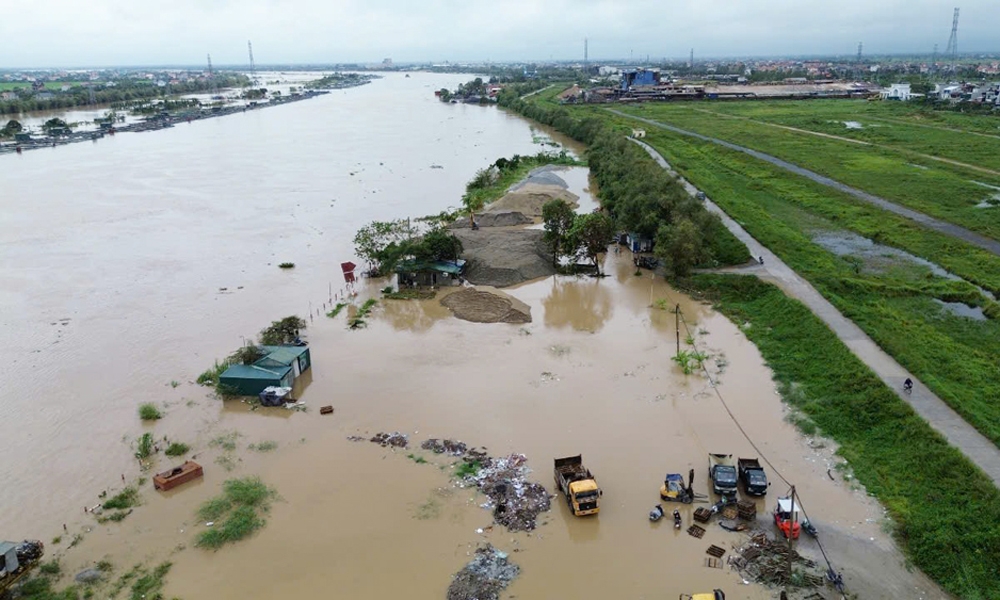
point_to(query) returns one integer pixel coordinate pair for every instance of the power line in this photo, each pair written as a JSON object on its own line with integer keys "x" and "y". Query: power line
{"x": 832, "y": 574}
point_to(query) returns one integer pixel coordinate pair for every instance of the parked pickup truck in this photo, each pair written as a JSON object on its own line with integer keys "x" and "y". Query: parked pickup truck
{"x": 722, "y": 473}
{"x": 753, "y": 476}
{"x": 578, "y": 484}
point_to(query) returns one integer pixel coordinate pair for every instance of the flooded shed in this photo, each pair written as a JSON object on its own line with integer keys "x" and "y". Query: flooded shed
{"x": 296, "y": 357}
{"x": 250, "y": 380}
{"x": 430, "y": 274}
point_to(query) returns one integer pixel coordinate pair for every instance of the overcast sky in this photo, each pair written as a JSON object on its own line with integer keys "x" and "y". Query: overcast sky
{"x": 47, "y": 33}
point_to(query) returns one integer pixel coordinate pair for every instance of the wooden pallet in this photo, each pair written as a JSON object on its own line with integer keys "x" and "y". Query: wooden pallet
{"x": 747, "y": 510}
{"x": 326, "y": 410}
{"x": 715, "y": 551}
{"x": 713, "y": 563}
{"x": 729, "y": 512}
{"x": 696, "y": 531}
{"x": 702, "y": 515}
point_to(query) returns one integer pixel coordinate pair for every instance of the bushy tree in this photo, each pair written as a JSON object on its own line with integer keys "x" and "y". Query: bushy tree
{"x": 378, "y": 243}
{"x": 590, "y": 236}
{"x": 680, "y": 246}
{"x": 282, "y": 332}
{"x": 437, "y": 244}
{"x": 558, "y": 217}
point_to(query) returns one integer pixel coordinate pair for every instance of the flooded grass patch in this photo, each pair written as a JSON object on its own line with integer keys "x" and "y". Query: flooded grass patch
{"x": 266, "y": 446}
{"x": 126, "y": 498}
{"x": 893, "y": 452}
{"x": 177, "y": 449}
{"x": 236, "y": 513}
{"x": 409, "y": 294}
{"x": 149, "y": 412}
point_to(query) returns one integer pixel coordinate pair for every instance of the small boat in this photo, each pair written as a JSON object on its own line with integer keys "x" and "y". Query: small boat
{"x": 168, "y": 480}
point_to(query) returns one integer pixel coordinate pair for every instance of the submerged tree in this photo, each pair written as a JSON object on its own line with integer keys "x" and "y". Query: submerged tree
{"x": 558, "y": 217}
{"x": 378, "y": 242}
{"x": 282, "y": 332}
{"x": 590, "y": 236}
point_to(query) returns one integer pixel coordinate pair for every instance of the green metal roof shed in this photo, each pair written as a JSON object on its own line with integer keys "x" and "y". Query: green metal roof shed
{"x": 250, "y": 380}
{"x": 296, "y": 357}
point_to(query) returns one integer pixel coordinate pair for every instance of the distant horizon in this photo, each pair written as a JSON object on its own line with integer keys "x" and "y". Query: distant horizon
{"x": 969, "y": 55}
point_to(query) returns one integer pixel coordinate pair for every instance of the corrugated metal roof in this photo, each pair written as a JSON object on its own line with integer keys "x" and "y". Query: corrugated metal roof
{"x": 284, "y": 354}
{"x": 6, "y": 547}
{"x": 254, "y": 372}
{"x": 452, "y": 267}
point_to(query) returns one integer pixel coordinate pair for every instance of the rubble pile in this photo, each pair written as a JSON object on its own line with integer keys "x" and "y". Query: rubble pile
{"x": 394, "y": 439}
{"x": 451, "y": 447}
{"x": 515, "y": 501}
{"x": 484, "y": 577}
{"x": 766, "y": 561}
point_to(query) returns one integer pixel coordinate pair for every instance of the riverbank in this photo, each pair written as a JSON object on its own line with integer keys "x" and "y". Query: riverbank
{"x": 159, "y": 122}
{"x": 592, "y": 373}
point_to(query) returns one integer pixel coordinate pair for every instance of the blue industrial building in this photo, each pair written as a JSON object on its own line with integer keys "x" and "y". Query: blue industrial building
{"x": 639, "y": 77}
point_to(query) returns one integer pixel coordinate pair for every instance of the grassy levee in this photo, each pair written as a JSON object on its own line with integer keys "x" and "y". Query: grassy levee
{"x": 946, "y": 513}
{"x": 954, "y": 356}
{"x": 944, "y": 191}
{"x": 906, "y": 126}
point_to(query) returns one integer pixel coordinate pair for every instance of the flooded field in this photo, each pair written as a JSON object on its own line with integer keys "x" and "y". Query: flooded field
{"x": 149, "y": 257}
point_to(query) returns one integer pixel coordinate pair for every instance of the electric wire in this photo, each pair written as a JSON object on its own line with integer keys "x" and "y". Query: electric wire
{"x": 832, "y": 574}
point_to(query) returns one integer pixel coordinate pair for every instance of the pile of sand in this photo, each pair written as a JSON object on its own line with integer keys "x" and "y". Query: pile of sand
{"x": 485, "y": 304}
{"x": 528, "y": 199}
{"x": 495, "y": 219}
{"x": 501, "y": 257}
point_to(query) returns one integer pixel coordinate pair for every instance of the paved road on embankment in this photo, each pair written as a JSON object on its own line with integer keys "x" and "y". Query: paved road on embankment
{"x": 927, "y": 221}
{"x": 980, "y": 450}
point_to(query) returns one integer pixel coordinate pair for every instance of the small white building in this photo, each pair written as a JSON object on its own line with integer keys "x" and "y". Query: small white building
{"x": 897, "y": 91}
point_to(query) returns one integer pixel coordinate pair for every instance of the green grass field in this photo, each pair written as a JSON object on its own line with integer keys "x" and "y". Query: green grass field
{"x": 945, "y": 191}
{"x": 893, "y": 301}
{"x": 49, "y": 85}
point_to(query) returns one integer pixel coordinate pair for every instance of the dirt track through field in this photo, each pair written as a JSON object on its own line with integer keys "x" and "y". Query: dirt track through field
{"x": 938, "y": 225}
{"x": 939, "y": 415}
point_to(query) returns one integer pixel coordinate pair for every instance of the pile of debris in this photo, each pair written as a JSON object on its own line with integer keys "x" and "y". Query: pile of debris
{"x": 765, "y": 561}
{"x": 451, "y": 447}
{"x": 488, "y": 574}
{"x": 394, "y": 439}
{"x": 515, "y": 501}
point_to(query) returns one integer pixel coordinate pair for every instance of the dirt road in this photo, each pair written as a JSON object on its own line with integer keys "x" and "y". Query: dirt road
{"x": 941, "y": 417}
{"x": 927, "y": 221}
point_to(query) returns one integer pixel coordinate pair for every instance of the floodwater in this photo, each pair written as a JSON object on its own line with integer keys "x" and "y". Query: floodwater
{"x": 131, "y": 264}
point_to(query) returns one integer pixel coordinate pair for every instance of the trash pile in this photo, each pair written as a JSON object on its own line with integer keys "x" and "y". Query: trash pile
{"x": 766, "y": 561}
{"x": 451, "y": 447}
{"x": 488, "y": 574}
{"x": 394, "y": 439}
{"x": 515, "y": 501}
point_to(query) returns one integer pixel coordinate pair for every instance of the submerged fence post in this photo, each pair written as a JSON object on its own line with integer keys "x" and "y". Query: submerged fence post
{"x": 677, "y": 323}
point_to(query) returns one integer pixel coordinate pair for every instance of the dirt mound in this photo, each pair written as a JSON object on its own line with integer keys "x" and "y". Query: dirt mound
{"x": 503, "y": 257}
{"x": 485, "y": 304}
{"x": 529, "y": 199}
{"x": 488, "y": 574}
{"x": 495, "y": 219}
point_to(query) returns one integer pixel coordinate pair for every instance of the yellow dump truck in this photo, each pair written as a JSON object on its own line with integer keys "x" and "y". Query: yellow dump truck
{"x": 578, "y": 484}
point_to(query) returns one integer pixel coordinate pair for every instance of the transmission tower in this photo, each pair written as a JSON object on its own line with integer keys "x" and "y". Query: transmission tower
{"x": 934, "y": 56}
{"x": 952, "y": 50}
{"x": 253, "y": 68}
{"x": 691, "y": 59}
{"x": 586, "y": 57}
{"x": 860, "y": 48}
{"x": 211, "y": 76}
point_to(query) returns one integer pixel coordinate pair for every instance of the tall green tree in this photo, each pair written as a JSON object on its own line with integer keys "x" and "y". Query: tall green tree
{"x": 680, "y": 246}
{"x": 558, "y": 217}
{"x": 590, "y": 236}
{"x": 12, "y": 127}
{"x": 377, "y": 243}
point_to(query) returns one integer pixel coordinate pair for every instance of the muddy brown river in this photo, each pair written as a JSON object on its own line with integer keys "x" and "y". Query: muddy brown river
{"x": 131, "y": 264}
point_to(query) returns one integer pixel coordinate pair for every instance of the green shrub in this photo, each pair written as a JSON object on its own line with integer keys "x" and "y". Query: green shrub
{"x": 177, "y": 449}
{"x": 149, "y": 412}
